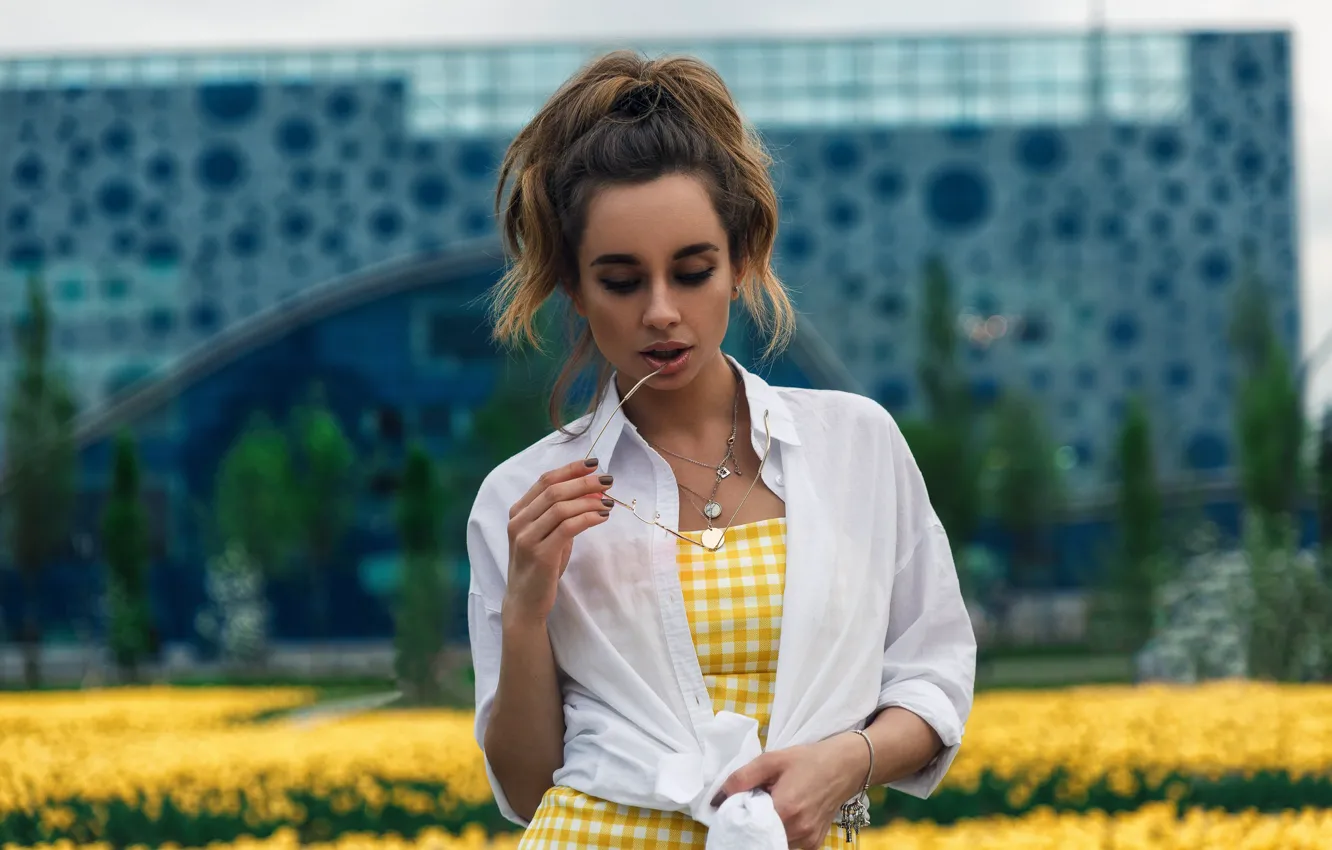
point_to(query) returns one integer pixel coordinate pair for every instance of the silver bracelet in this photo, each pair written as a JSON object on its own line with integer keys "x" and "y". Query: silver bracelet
{"x": 855, "y": 814}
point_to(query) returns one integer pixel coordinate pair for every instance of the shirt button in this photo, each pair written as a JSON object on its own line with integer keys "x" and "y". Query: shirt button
{"x": 780, "y": 480}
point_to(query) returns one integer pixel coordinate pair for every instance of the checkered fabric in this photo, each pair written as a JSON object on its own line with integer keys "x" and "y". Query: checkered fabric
{"x": 734, "y": 602}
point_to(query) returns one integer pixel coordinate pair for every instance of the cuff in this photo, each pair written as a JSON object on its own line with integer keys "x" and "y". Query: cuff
{"x": 927, "y": 702}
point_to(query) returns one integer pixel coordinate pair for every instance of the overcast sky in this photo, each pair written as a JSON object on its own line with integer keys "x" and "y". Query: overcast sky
{"x": 45, "y": 26}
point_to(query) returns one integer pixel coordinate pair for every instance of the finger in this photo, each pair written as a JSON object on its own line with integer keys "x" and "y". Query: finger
{"x": 759, "y": 773}
{"x": 568, "y": 472}
{"x": 569, "y": 529}
{"x": 561, "y": 501}
{"x": 589, "y": 484}
{"x": 551, "y": 524}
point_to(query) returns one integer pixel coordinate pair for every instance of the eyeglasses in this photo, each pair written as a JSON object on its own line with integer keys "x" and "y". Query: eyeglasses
{"x": 710, "y": 538}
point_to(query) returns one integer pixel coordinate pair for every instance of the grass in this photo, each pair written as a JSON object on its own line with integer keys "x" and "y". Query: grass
{"x": 1053, "y": 671}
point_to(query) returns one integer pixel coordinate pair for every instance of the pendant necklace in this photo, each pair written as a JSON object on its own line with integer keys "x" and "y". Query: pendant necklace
{"x": 723, "y": 468}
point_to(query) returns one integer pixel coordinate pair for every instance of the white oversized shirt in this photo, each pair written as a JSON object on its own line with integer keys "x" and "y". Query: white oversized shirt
{"x": 872, "y": 614}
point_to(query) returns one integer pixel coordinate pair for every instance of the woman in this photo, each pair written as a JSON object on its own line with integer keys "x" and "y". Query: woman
{"x": 711, "y": 610}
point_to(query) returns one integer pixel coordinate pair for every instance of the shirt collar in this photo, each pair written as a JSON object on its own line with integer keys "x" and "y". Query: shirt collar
{"x": 760, "y": 394}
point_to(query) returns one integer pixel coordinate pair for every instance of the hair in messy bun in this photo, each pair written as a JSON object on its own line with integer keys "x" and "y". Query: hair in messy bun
{"x": 627, "y": 119}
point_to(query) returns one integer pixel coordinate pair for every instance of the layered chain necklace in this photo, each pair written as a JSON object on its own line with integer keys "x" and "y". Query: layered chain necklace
{"x": 723, "y": 469}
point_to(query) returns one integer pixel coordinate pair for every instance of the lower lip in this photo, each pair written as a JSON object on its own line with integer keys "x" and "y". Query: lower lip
{"x": 671, "y": 366}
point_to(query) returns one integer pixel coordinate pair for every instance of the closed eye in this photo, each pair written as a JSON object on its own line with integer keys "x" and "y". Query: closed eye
{"x": 626, "y": 285}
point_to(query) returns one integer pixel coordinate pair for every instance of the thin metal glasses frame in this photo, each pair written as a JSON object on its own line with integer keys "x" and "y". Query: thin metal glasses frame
{"x": 720, "y": 538}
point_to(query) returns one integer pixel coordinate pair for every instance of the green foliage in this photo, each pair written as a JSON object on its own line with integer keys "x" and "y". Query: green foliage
{"x": 424, "y": 596}
{"x": 944, "y": 384}
{"x": 517, "y": 413}
{"x": 325, "y": 815}
{"x": 514, "y": 417}
{"x": 1324, "y": 473}
{"x": 1135, "y": 572}
{"x": 1023, "y": 482}
{"x": 125, "y": 548}
{"x": 1251, "y": 334}
{"x": 945, "y": 446}
{"x": 323, "y": 488}
{"x": 40, "y": 460}
{"x": 419, "y": 504}
{"x": 254, "y": 505}
{"x": 1288, "y": 610}
{"x": 1269, "y": 418}
{"x": 950, "y": 463}
{"x": 1139, "y": 497}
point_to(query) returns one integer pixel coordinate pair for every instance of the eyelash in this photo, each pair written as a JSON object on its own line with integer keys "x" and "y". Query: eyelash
{"x": 692, "y": 279}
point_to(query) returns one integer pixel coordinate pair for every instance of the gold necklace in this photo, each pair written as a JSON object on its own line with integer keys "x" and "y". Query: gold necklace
{"x": 711, "y": 538}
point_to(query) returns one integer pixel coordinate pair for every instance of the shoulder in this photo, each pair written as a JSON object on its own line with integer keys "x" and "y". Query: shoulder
{"x": 832, "y": 414}
{"x": 507, "y": 482}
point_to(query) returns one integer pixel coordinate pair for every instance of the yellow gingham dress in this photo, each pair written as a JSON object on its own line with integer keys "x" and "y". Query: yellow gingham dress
{"x": 734, "y": 602}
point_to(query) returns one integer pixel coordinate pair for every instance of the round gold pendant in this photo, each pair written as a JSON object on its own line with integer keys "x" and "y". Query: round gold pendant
{"x": 713, "y": 538}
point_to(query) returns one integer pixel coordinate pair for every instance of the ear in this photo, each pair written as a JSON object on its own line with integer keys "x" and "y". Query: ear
{"x": 576, "y": 297}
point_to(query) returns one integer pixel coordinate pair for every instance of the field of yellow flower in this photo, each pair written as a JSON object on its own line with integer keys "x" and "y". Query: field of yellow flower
{"x": 1246, "y": 764}
{"x": 1158, "y": 826}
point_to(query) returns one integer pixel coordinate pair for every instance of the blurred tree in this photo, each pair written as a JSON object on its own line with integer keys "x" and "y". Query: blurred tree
{"x": 1288, "y": 607}
{"x": 513, "y": 417}
{"x": 254, "y": 505}
{"x": 945, "y": 443}
{"x": 425, "y": 592}
{"x": 1269, "y": 417}
{"x": 41, "y": 463}
{"x": 1134, "y": 575}
{"x": 324, "y": 488}
{"x": 125, "y": 547}
{"x": 1024, "y": 487}
{"x": 1325, "y": 482}
{"x": 941, "y": 379}
{"x": 1252, "y": 337}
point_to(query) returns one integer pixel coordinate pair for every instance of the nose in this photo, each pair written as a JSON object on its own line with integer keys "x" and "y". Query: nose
{"x": 660, "y": 311}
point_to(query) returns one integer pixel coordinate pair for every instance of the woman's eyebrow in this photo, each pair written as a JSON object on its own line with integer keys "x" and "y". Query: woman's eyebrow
{"x": 631, "y": 260}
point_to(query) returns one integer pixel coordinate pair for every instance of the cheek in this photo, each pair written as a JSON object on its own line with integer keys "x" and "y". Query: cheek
{"x": 605, "y": 318}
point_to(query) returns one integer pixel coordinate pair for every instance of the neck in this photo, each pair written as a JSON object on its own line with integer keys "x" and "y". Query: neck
{"x": 688, "y": 413}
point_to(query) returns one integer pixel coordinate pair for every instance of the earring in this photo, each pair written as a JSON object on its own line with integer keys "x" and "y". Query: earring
{"x": 735, "y": 292}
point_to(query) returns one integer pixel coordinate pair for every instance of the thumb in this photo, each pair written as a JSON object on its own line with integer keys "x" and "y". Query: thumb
{"x": 759, "y": 773}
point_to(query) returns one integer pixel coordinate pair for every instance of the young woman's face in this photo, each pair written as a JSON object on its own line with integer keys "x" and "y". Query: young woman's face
{"x": 655, "y": 278}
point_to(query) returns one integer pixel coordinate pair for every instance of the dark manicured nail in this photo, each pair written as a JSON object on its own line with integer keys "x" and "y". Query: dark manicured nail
{"x": 592, "y": 462}
{"x": 718, "y": 800}
{"x": 604, "y": 513}
{"x": 610, "y": 503}
{"x": 607, "y": 479}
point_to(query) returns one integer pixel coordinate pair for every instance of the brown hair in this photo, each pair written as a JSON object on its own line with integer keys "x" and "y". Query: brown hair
{"x": 623, "y": 119}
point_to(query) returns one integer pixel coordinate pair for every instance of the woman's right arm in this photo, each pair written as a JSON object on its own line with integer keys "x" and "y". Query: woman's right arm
{"x": 523, "y": 716}
{"x": 524, "y": 742}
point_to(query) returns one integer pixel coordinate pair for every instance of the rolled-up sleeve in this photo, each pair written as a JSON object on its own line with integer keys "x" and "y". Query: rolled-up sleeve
{"x": 485, "y": 596}
{"x": 929, "y": 657}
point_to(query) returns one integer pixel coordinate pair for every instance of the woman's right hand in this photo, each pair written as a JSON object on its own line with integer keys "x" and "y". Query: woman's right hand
{"x": 562, "y": 503}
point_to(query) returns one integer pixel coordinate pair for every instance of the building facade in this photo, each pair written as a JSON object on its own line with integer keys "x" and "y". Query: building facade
{"x": 1095, "y": 197}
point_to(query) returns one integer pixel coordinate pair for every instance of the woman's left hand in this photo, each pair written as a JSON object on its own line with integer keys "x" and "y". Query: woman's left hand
{"x": 809, "y": 784}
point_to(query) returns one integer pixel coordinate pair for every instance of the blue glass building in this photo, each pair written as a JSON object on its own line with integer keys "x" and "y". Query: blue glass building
{"x": 217, "y": 231}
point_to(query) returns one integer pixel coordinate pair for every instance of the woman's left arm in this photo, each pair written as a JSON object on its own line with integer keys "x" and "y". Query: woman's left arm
{"x": 929, "y": 664}
{"x": 925, "y": 694}
{"x": 929, "y": 661}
